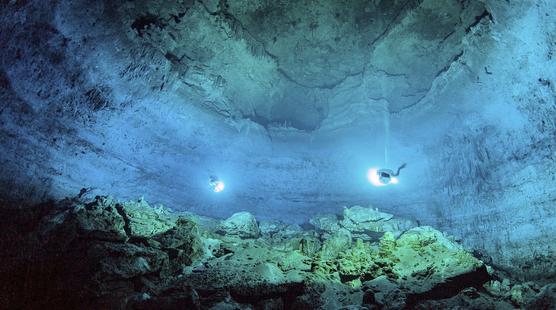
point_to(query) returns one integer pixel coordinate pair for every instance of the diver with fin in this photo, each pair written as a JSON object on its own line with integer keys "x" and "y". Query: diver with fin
{"x": 385, "y": 175}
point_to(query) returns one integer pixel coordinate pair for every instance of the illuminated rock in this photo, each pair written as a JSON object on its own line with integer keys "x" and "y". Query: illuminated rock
{"x": 241, "y": 224}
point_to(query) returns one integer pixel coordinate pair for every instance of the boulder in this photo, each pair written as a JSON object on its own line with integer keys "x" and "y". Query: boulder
{"x": 99, "y": 219}
{"x": 146, "y": 221}
{"x": 358, "y": 214}
{"x": 269, "y": 228}
{"x": 124, "y": 261}
{"x": 356, "y": 262}
{"x": 182, "y": 242}
{"x": 336, "y": 243}
{"x": 383, "y": 292}
{"x": 241, "y": 224}
{"x": 359, "y": 219}
{"x": 546, "y": 299}
{"x": 270, "y": 273}
{"x": 325, "y": 222}
{"x": 426, "y": 260}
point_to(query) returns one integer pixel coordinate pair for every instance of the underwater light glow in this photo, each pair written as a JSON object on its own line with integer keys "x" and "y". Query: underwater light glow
{"x": 218, "y": 186}
{"x": 215, "y": 184}
{"x": 374, "y": 178}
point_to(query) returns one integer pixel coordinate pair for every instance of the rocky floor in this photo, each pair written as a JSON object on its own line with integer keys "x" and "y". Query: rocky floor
{"x": 106, "y": 254}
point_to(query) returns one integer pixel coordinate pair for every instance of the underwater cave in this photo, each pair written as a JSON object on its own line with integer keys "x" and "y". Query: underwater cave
{"x": 312, "y": 154}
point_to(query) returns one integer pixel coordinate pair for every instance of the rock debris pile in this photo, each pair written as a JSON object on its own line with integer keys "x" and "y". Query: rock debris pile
{"x": 129, "y": 255}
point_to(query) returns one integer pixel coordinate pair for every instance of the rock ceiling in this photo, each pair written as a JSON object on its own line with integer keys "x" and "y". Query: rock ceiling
{"x": 282, "y": 63}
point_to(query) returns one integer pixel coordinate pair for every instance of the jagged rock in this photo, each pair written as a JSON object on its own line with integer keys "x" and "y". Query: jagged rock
{"x": 268, "y": 228}
{"x": 146, "y": 221}
{"x": 99, "y": 219}
{"x": 230, "y": 305}
{"x": 182, "y": 297}
{"x": 357, "y": 262}
{"x": 270, "y": 304}
{"x": 358, "y": 214}
{"x": 124, "y": 261}
{"x": 241, "y": 224}
{"x": 495, "y": 288}
{"x": 428, "y": 263}
{"x": 426, "y": 258}
{"x": 269, "y": 272}
{"x": 383, "y": 292}
{"x": 288, "y": 232}
{"x": 546, "y": 299}
{"x": 326, "y": 222}
{"x": 124, "y": 255}
{"x": 336, "y": 243}
{"x": 309, "y": 245}
{"x": 361, "y": 219}
{"x": 468, "y": 298}
{"x": 205, "y": 223}
{"x": 182, "y": 242}
{"x": 211, "y": 246}
{"x": 524, "y": 293}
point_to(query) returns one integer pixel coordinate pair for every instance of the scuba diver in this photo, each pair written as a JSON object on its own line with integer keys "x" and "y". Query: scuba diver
{"x": 387, "y": 176}
{"x": 215, "y": 184}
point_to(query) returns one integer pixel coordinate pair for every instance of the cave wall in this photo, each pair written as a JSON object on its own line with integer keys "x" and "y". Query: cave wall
{"x": 495, "y": 162}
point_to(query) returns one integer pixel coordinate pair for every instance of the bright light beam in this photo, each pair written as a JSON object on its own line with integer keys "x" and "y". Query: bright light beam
{"x": 372, "y": 176}
{"x": 218, "y": 186}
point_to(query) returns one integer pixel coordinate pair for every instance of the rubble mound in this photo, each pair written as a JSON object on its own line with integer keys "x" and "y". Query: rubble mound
{"x": 109, "y": 254}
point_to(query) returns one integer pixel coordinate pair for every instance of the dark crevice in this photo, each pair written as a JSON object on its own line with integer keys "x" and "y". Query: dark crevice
{"x": 446, "y": 37}
{"x": 143, "y": 23}
{"x": 447, "y": 66}
{"x": 127, "y": 225}
{"x": 451, "y": 287}
{"x": 259, "y": 119}
{"x": 396, "y": 18}
{"x": 252, "y": 295}
{"x": 478, "y": 19}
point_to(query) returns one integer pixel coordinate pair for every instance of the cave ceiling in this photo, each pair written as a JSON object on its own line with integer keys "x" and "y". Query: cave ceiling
{"x": 283, "y": 63}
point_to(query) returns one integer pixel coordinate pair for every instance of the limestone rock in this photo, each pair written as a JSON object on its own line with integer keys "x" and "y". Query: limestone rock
{"x": 309, "y": 245}
{"x": 367, "y": 219}
{"x": 356, "y": 262}
{"x": 524, "y": 293}
{"x": 326, "y": 222}
{"x": 204, "y": 223}
{"x": 269, "y": 272}
{"x": 241, "y": 224}
{"x": 269, "y": 228}
{"x": 183, "y": 242}
{"x": 384, "y": 292}
{"x": 99, "y": 220}
{"x": 146, "y": 221}
{"x": 211, "y": 246}
{"x": 425, "y": 258}
{"x": 358, "y": 214}
{"x": 128, "y": 255}
{"x": 336, "y": 243}
{"x": 546, "y": 299}
{"x": 126, "y": 261}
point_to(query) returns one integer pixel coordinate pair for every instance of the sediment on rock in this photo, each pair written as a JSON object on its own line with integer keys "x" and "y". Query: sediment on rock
{"x": 109, "y": 254}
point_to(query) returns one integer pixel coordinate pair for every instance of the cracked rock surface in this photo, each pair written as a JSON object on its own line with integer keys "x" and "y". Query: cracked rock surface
{"x": 279, "y": 62}
{"x": 91, "y": 254}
